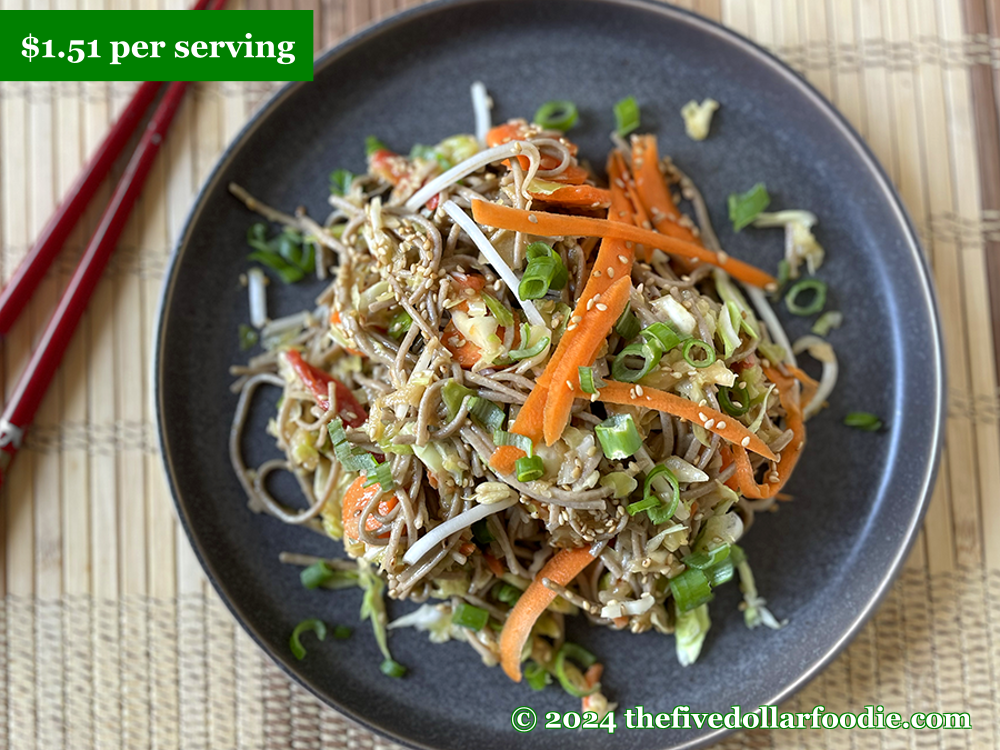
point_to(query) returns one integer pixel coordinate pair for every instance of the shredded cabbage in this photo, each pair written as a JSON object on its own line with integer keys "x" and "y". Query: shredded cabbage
{"x": 698, "y": 118}
{"x": 690, "y": 630}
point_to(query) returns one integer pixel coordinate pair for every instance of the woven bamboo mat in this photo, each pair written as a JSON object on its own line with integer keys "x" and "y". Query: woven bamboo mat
{"x": 109, "y": 635}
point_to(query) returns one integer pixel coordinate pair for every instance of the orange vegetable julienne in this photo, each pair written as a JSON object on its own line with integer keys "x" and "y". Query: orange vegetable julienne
{"x": 581, "y": 352}
{"x": 613, "y": 254}
{"x": 494, "y": 565}
{"x": 630, "y": 394}
{"x": 355, "y": 500}
{"x": 517, "y": 130}
{"x": 557, "y": 225}
{"x": 463, "y": 351}
{"x": 653, "y": 191}
{"x": 789, "y": 457}
{"x": 577, "y": 196}
{"x": 564, "y": 566}
{"x": 809, "y": 386}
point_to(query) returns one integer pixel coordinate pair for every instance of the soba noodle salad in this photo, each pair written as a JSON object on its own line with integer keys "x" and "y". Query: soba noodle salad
{"x": 525, "y": 396}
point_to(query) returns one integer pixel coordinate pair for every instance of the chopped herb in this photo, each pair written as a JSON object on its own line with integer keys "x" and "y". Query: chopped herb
{"x": 744, "y": 207}
{"x": 863, "y": 420}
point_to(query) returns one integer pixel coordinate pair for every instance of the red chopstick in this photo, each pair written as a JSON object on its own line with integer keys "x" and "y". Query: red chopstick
{"x": 14, "y": 297}
{"x": 34, "y": 381}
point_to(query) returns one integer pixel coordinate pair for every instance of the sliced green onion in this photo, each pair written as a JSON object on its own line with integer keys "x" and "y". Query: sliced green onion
{"x": 570, "y": 676}
{"x": 720, "y": 573}
{"x": 699, "y": 363}
{"x": 665, "y": 334}
{"x": 539, "y": 276}
{"x": 502, "y": 438}
{"x": 690, "y": 589}
{"x": 736, "y": 554}
{"x": 508, "y": 594}
{"x": 536, "y": 675}
{"x": 401, "y": 323}
{"x": 381, "y": 475}
{"x": 559, "y": 114}
{"x": 863, "y": 420}
{"x": 504, "y": 316}
{"x": 342, "y": 632}
{"x": 350, "y": 458}
{"x": 738, "y": 407}
{"x": 468, "y": 616}
{"x": 527, "y": 352}
{"x": 628, "y": 325}
{"x": 663, "y": 511}
{"x": 618, "y": 436}
{"x": 340, "y": 181}
{"x": 744, "y": 207}
{"x": 538, "y": 250}
{"x": 248, "y": 337}
{"x": 626, "y": 116}
{"x": 392, "y": 668}
{"x": 589, "y": 382}
{"x": 286, "y": 271}
{"x": 311, "y": 625}
{"x": 637, "y": 360}
{"x": 453, "y": 394}
{"x": 486, "y": 413}
{"x": 373, "y": 144}
{"x": 529, "y": 468}
{"x": 647, "y": 503}
{"x": 784, "y": 276}
{"x": 708, "y": 559}
{"x": 806, "y": 285}
{"x": 316, "y": 575}
{"x": 827, "y": 321}
{"x": 481, "y": 532}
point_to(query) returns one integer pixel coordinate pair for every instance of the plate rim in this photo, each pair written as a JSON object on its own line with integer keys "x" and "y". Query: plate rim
{"x": 726, "y": 35}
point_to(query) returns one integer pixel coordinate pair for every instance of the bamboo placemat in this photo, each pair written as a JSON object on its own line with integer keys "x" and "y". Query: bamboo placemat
{"x": 109, "y": 635}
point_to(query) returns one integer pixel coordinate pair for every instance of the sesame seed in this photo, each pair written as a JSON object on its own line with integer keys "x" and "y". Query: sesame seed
{"x": 532, "y": 218}
{"x": 646, "y": 224}
{"x": 601, "y": 306}
{"x": 702, "y": 403}
{"x": 709, "y": 423}
{"x": 638, "y": 389}
{"x": 745, "y": 441}
{"x": 597, "y": 274}
{"x": 722, "y": 425}
{"x": 571, "y": 326}
{"x": 576, "y": 319}
{"x": 623, "y": 214}
{"x": 629, "y": 245}
{"x": 611, "y": 272}
{"x": 723, "y": 256}
{"x": 590, "y": 303}
{"x": 622, "y": 259}
{"x": 701, "y": 416}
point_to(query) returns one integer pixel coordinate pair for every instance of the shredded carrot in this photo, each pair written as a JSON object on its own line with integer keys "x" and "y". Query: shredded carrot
{"x": 593, "y": 677}
{"x": 517, "y": 130}
{"x": 809, "y": 386}
{"x": 564, "y": 566}
{"x": 530, "y": 419}
{"x": 581, "y": 352}
{"x": 494, "y": 565}
{"x": 466, "y": 548}
{"x": 789, "y": 457}
{"x": 463, "y": 351}
{"x": 355, "y": 500}
{"x": 557, "y": 225}
{"x": 653, "y": 192}
{"x": 576, "y": 196}
{"x": 628, "y": 394}
{"x": 335, "y": 320}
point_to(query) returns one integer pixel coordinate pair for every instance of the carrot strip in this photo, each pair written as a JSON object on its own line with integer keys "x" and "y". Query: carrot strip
{"x": 355, "y": 500}
{"x": 789, "y": 457}
{"x": 614, "y": 255}
{"x": 592, "y": 332}
{"x": 809, "y": 386}
{"x": 494, "y": 565}
{"x": 653, "y": 192}
{"x": 728, "y": 428}
{"x": 564, "y": 566}
{"x": 556, "y": 225}
{"x": 576, "y": 196}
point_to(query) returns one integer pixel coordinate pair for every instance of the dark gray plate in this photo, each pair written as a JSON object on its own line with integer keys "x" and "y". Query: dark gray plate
{"x": 823, "y": 562}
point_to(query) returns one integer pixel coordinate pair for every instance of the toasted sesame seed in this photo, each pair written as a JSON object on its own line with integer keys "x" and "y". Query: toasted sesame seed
{"x": 601, "y": 306}
{"x": 590, "y": 303}
{"x": 638, "y": 389}
{"x": 723, "y": 256}
{"x": 597, "y": 274}
{"x": 629, "y": 245}
{"x": 722, "y": 425}
{"x": 569, "y": 384}
{"x": 571, "y": 326}
{"x": 709, "y": 423}
{"x": 701, "y": 416}
{"x": 532, "y": 218}
{"x": 745, "y": 441}
{"x": 611, "y": 272}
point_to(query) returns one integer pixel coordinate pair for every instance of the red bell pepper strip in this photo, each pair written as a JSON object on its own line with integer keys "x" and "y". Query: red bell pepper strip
{"x": 317, "y": 381}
